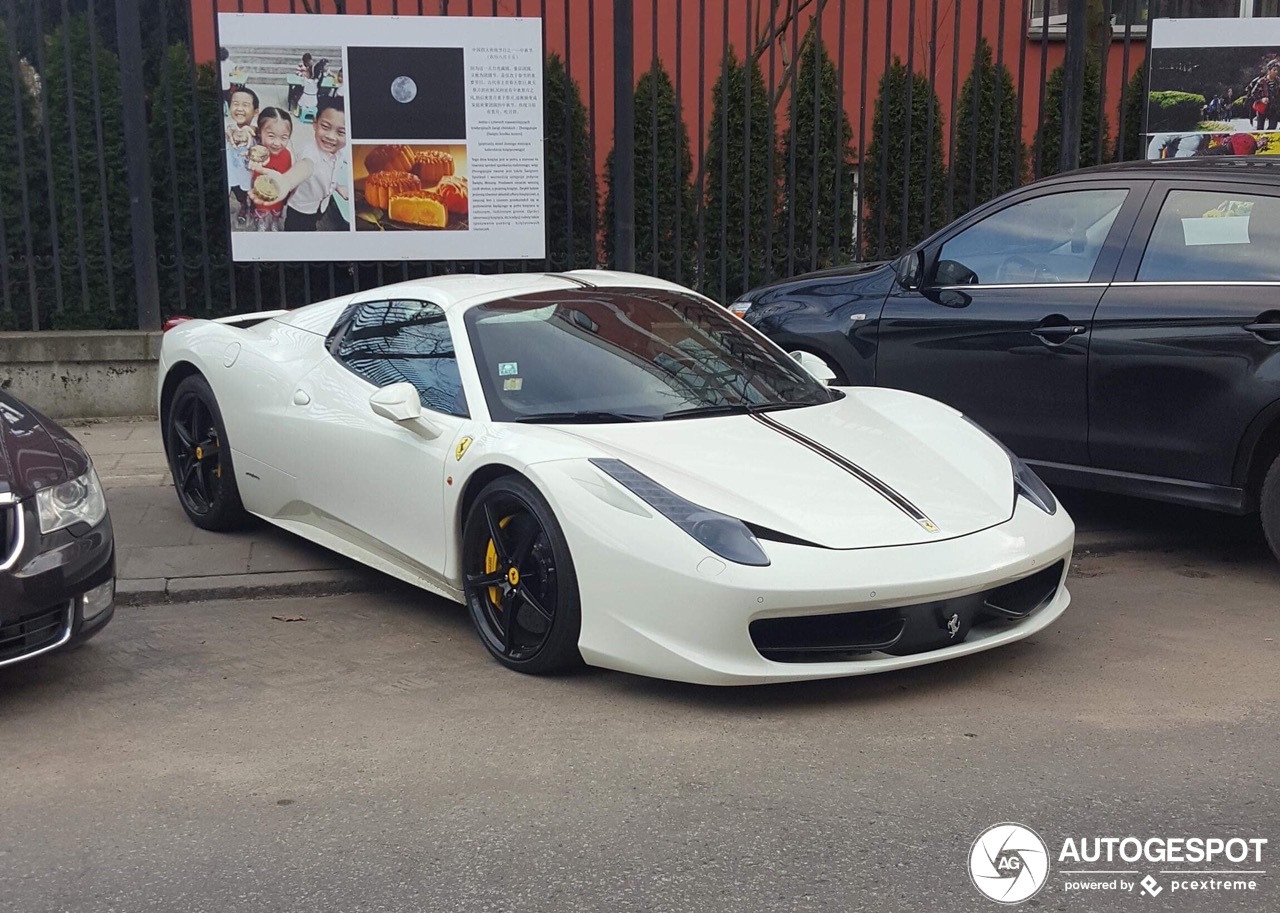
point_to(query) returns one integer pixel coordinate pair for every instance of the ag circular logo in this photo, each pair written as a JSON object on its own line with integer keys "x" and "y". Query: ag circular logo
{"x": 1009, "y": 863}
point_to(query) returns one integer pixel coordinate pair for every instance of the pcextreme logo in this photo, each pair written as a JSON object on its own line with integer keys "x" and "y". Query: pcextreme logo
{"x": 1010, "y": 863}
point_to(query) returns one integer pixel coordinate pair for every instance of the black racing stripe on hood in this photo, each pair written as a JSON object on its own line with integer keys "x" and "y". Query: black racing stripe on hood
{"x": 878, "y": 485}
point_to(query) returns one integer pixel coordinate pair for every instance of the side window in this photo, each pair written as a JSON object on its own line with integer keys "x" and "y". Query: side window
{"x": 1213, "y": 235}
{"x": 388, "y": 342}
{"x": 1055, "y": 238}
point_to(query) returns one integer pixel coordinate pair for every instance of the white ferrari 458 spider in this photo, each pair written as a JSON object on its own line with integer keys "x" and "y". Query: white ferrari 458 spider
{"x": 610, "y": 468}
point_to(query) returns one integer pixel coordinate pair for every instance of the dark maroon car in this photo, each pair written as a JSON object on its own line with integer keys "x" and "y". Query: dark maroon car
{"x": 57, "y": 554}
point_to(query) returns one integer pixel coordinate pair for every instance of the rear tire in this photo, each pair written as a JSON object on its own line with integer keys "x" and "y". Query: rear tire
{"x": 195, "y": 441}
{"x": 520, "y": 584}
{"x": 1269, "y": 501}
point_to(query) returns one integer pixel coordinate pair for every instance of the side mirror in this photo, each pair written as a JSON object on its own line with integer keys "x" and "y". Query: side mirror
{"x": 816, "y": 367}
{"x": 398, "y": 402}
{"x": 911, "y": 271}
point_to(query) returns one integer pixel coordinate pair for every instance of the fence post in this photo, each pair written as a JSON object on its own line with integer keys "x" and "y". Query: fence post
{"x": 138, "y": 160}
{"x": 624, "y": 136}
{"x": 1073, "y": 85}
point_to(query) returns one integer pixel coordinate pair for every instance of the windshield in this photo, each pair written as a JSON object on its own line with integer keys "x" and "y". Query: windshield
{"x": 626, "y": 355}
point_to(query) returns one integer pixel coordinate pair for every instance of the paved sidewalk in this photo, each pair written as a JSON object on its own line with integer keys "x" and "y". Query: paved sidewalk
{"x": 162, "y": 557}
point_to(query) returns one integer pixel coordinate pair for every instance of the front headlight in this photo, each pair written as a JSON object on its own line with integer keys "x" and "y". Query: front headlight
{"x": 78, "y": 501}
{"x": 1032, "y": 487}
{"x": 1025, "y": 480}
{"x": 740, "y": 307}
{"x": 727, "y": 536}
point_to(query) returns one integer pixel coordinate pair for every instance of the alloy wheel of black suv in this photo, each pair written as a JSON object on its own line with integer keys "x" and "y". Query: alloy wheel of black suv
{"x": 1116, "y": 327}
{"x": 57, "y": 552}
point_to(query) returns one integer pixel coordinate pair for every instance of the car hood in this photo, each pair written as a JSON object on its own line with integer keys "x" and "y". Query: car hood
{"x": 957, "y": 476}
{"x": 35, "y": 452}
{"x": 850, "y": 270}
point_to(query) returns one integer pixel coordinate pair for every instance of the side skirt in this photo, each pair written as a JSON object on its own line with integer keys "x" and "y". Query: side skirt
{"x": 1157, "y": 488}
{"x": 401, "y": 569}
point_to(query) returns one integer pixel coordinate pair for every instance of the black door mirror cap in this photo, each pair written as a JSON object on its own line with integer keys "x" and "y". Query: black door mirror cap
{"x": 911, "y": 271}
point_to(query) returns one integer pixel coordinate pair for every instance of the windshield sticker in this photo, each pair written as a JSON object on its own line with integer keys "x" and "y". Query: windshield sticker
{"x": 513, "y": 383}
{"x": 507, "y": 368}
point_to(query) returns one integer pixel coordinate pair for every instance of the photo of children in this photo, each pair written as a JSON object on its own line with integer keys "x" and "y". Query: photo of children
{"x": 288, "y": 167}
{"x": 416, "y": 187}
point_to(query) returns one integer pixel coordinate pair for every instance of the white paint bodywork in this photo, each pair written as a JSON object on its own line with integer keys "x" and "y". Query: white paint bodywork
{"x": 311, "y": 456}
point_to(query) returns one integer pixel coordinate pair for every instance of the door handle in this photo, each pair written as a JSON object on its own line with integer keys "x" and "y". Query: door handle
{"x": 1056, "y": 334}
{"x": 1268, "y": 332}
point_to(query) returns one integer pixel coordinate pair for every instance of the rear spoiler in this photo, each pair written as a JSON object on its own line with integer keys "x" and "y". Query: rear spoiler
{"x": 248, "y": 320}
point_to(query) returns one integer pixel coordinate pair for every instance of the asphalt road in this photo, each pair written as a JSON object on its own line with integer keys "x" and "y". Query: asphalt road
{"x": 371, "y": 757}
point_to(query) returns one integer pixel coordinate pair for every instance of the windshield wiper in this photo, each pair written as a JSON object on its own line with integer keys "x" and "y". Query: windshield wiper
{"x": 731, "y": 409}
{"x": 709, "y": 409}
{"x": 585, "y": 416}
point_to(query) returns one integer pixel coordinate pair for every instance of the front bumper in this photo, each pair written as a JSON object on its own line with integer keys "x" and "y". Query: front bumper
{"x": 43, "y": 590}
{"x": 654, "y": 602}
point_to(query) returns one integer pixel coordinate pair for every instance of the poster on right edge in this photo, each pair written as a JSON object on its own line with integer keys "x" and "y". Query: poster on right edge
{"x": 1214, "y": 88}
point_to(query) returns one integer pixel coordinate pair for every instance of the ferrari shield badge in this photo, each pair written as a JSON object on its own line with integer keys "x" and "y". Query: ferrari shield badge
{"x": 462, "y": 447}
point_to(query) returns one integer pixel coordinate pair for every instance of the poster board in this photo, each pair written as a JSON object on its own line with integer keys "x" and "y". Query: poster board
{"x": 375, "y": 138}
{"x": 1211, "y": 88}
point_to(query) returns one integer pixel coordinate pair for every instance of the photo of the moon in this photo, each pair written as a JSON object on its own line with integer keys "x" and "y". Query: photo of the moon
{"x": 399, "y": 94}
{"x": 404, "y": 89}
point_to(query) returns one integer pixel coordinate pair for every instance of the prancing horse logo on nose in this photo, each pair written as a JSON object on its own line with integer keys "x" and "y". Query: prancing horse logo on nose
{"x": 953, "y": 625}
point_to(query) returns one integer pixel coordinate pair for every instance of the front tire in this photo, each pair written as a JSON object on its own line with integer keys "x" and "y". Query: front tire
{"x": 519, "y": 580}
{"x": 200, "y": 458}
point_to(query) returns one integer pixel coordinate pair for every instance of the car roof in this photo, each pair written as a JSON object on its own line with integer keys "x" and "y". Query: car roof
{"x": 465, "y": 290}
{"x": 1254, "y": 169}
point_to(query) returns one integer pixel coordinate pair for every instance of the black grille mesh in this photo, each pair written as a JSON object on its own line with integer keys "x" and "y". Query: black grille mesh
{"x": 31, "y": 632}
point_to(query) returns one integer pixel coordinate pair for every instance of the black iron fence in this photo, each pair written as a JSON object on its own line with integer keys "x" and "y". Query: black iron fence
{"x": 767, "y": 137}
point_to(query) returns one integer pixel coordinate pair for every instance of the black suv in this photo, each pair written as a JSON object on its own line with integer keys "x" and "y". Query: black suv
{"x": 1118, "y": 327}
{"x": 57, "y": 554}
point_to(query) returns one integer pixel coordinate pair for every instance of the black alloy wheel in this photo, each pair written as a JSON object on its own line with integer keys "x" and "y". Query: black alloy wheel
{"x": 520, "y": 584}
{"x": 200, "y": 459}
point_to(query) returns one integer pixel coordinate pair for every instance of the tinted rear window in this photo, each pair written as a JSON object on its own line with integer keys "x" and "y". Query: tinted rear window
{"x": 1216, "y": 236}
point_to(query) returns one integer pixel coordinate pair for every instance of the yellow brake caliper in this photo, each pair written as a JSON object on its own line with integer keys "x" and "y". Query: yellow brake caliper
{"x": 491, "y": 565}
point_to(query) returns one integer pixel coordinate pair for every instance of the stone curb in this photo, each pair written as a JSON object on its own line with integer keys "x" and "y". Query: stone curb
{"x": 160, "y": 591}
